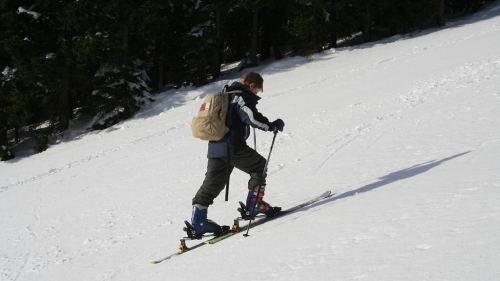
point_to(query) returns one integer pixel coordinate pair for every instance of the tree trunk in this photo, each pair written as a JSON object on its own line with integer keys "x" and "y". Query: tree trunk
{"x": 217, "y": 55}
{"x": 253, "y": 49}
{"x": 3, "y": 136}
{"x": 367, "y": 25}
{"x": 63, "y": 108}
{"x": 161, "y": 74}
{"x": 441, "y": 21}
{"x": 333, "y": 40}
{"x": 125, "y": 31}
{"x": 271, "y": 21}
{"x": 16, "y": 134}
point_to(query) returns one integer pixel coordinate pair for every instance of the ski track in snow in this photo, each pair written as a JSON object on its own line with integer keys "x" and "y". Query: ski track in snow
{"x": 53, "y": 171}
{"x": 468, "y": 75}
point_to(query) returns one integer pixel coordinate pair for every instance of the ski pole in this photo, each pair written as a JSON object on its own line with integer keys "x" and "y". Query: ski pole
{"x": 228, "y": 151}
{"x": 254, "y": 140}
{"x": 261, "y": 181}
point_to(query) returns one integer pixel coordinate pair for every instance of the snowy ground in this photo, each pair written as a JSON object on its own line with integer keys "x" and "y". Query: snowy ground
{"x": 405, "y": 131}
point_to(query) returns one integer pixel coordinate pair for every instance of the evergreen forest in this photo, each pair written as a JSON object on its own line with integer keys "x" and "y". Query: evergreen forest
{"x": 105, "y": 59}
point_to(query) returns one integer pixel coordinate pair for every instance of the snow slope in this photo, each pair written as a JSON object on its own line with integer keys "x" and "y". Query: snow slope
{"x": 405, "y": 131}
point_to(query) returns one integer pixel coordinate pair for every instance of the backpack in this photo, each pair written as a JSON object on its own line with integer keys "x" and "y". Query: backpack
{"x": 210, "y": 124}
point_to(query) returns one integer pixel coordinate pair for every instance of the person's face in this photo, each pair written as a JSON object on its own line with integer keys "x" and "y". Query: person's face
{"x": 254, "y": 89}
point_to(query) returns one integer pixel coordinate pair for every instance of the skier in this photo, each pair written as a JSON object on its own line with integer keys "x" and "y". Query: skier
{"x": 241, "y": 115}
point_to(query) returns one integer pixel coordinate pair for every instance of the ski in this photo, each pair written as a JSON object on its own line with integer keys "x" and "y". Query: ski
{"x": 258, "y": 220}
{"x": 263, "y": 219}
{"x": 183, "y": 248}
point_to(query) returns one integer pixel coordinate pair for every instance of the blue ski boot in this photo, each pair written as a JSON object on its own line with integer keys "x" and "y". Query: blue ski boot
{"x": 201, "y": 224}
{"x": 261, "y": 207}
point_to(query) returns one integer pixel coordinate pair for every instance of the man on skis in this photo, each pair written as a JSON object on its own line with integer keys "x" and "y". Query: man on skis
{"x": 241, "y": 115}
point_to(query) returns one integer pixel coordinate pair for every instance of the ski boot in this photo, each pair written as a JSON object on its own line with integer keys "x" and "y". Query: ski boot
{"x": 255, "y": 205}
{"x": 200, "y": 224}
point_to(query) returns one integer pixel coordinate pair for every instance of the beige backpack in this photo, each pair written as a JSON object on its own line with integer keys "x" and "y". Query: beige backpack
{"x": 210, "y": 124}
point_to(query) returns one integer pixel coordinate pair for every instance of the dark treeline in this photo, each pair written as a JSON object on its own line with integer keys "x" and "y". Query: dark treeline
{"x": 102, "y": 58}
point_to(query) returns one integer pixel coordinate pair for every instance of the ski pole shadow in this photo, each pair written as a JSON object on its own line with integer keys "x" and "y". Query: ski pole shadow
{"x": 393, "y": 177}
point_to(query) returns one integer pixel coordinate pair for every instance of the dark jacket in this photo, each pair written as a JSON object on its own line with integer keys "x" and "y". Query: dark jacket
{"x": 241, "y": 115}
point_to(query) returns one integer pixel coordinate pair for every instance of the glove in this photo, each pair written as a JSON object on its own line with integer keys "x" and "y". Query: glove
{"x": 277, "y": 125}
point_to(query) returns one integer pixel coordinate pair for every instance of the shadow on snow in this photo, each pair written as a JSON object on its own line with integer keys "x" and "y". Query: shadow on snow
{"x": 391, "y": 178}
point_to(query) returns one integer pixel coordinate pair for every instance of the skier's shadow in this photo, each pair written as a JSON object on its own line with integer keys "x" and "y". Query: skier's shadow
{"x": 393, "y": 177}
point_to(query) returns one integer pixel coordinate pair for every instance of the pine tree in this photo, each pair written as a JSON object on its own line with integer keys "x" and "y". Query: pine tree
{"x": 22, "y": 96}
{"x": 316, "y": 25}
{"x": 116, "y": 74}
{"x": 273, "y": 35}
{"x": 40, "y": 47}
{"x": 462, "y": 7}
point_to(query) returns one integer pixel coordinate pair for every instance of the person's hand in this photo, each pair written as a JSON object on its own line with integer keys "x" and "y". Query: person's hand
{"x": 277, "y": 125}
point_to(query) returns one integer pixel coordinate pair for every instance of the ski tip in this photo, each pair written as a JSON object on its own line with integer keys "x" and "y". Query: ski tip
{"x": 327, "y": 193}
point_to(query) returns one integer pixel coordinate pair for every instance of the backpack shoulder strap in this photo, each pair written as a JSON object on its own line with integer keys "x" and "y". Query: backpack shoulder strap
{"x": 233, "y": 92}
{"x": 226, "y": 87}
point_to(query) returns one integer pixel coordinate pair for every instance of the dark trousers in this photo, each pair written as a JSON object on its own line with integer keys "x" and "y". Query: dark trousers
{"x": 246, "y": 160}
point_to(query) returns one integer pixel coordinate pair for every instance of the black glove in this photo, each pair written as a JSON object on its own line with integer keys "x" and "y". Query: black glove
{"x": 277, "y": 125}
